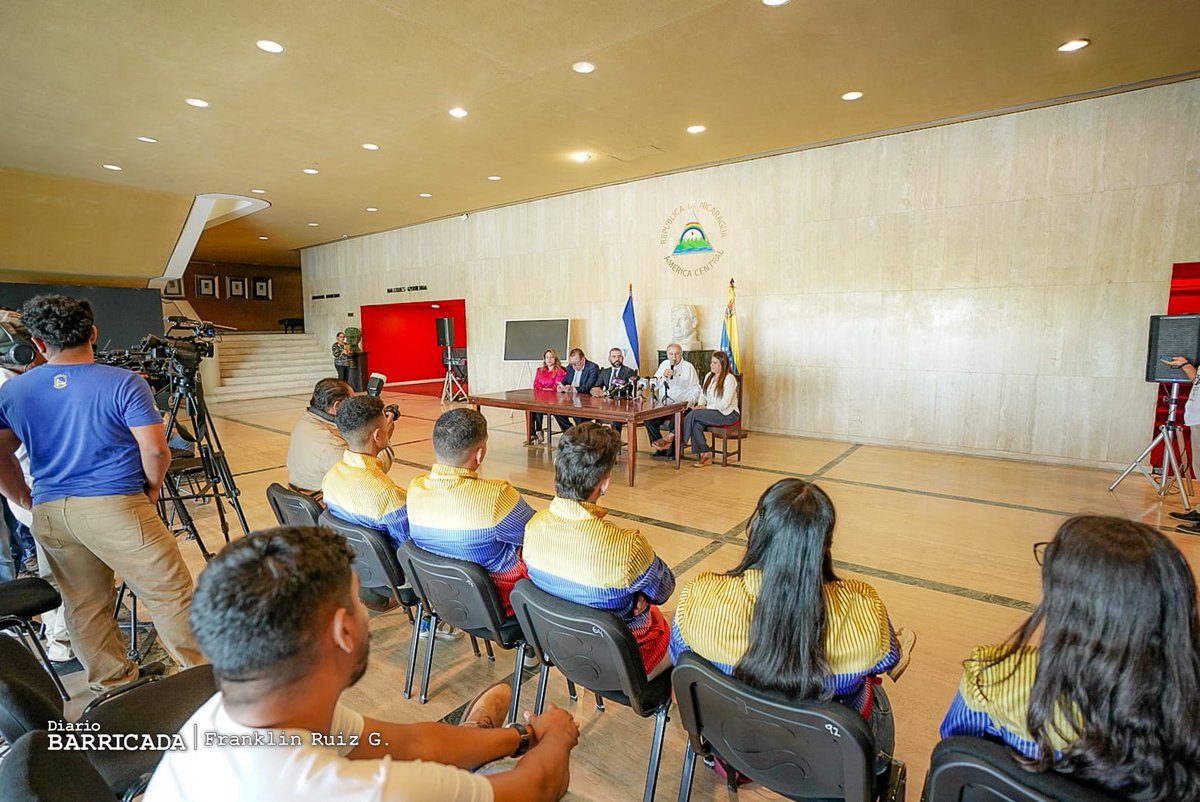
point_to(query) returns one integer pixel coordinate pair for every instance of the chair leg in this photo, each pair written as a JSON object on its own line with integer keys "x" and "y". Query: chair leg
{"x": 412, "y": 651}
{"x": 660, "y": 730}
{"x": 685, "y": 777}
{"x": 518, "y": 664}
{"x": 26, "y": 627}
{"x": 429, "y": 640}
{"x": 724, "y": 450}
{"x": 475, "y": 646}
{"x": 599, "y": 703}
{"x": 539, "y": 701}
{"x": 574, "y": 694}
{"x": 487, "y": 644}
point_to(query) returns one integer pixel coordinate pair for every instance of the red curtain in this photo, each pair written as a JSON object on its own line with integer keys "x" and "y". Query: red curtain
{"x": 1183, "y": 300}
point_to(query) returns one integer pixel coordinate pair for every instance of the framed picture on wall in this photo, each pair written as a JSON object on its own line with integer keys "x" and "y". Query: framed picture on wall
{"x": 206, "y": 287}
{"x": 262, "y": 288}
{"x": 236, "y": 287}
{"x": 173, "y": 288}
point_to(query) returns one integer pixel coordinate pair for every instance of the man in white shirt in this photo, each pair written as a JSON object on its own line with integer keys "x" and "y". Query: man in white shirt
{"x": 677, "y": 381}
{"x": 277, "y": 614}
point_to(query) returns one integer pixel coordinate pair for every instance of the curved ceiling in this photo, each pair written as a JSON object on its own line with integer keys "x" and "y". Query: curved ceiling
{"x": 82, "y": 80}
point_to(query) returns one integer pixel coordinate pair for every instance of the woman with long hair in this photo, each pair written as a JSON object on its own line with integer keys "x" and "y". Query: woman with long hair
{"x": 1110, "y": 693}
{"x": 781, "y": 620}
{"x": 717, "y": 406}
{"x": 548, "y": 376}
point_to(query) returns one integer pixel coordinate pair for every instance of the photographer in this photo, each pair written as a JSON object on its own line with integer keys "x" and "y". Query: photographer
{"x": 98, "y": 454}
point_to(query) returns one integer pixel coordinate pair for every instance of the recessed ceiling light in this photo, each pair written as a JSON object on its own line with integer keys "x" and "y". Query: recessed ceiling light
{"x": 310, "y": 170}
{"x": 425, "y": 195}
{"x": 113, "y": 167}
{"x": 583, "y": 67}
{"x": 197, "y": 102}
{"x": 458, "y": 112}
{"x": 852, "y": 96}
{"x": 581, "y": 156}
{"x": 1073, "y": 45}
{"x": 267, "y": 46}
{"x": 259, "y": 191}
{"x": 493, "y": 178}
{"x": 696, "y": 129}
{"x": 314, "y": 225}
{"x": 264, "y": 237}
{"x": 372, "y": 209}
{"x": 370, "y": 146}
{"x": 149, "y": 139}
{"x": 774, "y": 2}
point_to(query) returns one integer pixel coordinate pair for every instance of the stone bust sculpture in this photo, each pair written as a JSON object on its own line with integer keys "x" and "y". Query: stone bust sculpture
{"x": 683, "y": 326}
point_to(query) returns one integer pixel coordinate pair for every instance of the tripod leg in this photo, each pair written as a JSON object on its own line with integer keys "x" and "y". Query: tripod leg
{"x": 1137, "y": 463}
{"x": 1171, "y": 461}
{"x": 231, "y": 491}
{"x": 171, "y": 490}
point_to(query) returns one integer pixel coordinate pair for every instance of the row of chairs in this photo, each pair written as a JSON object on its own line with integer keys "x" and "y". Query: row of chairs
{"x": 799, "y": 750}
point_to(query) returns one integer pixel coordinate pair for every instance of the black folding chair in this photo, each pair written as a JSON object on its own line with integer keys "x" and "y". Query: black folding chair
{"x": 20, "y": 601}
{"x": 32, "y": 772}
{"x": 463, "y": 595}
{"x": 292, "y": 508}
{"x": 800, "y": 750}
{"x": 595, "y": 649}
{"x": 978, "y": 770}
{"x": 374, "y": 561}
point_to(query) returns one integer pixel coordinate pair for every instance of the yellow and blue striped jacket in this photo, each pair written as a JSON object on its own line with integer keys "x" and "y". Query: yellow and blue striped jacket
{"x": 452, "y": 512}
{"x": 993, "y": 702}
{"x": 358, "y": 490}
{"x": 713, "y": 620}
{"x": 572, "y": 552}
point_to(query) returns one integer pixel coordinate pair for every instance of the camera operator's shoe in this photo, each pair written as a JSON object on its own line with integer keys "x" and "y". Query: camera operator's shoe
{"x": 155, "y": 669}
{"x": 1191, "y": 516}
{"x": 1191, "y": 529}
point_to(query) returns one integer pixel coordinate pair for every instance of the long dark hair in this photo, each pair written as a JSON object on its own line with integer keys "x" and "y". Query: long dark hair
{"x": 788, "y": 540}
{"x": 723, "y": 358}
{"x": 1119, "y": 660}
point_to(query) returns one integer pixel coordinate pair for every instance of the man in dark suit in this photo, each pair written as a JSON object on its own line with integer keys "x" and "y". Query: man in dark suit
{"x": 581, "y": 377}
{"x": 615, "y": 378}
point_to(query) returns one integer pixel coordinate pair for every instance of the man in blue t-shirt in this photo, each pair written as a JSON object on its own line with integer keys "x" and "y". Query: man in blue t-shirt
{"x": 98, "y": 454}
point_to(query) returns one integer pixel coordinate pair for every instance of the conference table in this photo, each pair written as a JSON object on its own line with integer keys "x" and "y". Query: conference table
{"x": 630, "y": 412}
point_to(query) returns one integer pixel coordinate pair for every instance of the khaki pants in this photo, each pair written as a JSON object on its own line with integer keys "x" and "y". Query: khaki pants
{"x": 85, "y": 540}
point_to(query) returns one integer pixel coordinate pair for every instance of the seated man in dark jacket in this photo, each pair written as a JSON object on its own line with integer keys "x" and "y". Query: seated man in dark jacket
{"x": 582, "y": 376}
{"x": 615, "y": 378}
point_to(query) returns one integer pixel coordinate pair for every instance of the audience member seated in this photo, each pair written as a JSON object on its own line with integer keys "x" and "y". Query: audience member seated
{"x": 574, "y": 553}
{"x": 548, "y": 377}
{"x": 316, "y": 445}
{"x": 677, "y": 381}
{"x": 782, "y": 621}
{"x": 452, "y": 512}
{"x": 581, "y": 377}
{"x": 614, "y": 377}
{"x": 277, "y": 613}
{"x": 1109, "y": 690}
{"x": 716, "y": 406}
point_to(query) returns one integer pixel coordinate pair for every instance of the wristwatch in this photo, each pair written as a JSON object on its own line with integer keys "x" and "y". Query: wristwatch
{"x": 523, "y": 731}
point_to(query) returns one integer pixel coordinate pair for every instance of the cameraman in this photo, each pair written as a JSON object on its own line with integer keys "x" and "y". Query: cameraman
{"x": 98, "y": 454}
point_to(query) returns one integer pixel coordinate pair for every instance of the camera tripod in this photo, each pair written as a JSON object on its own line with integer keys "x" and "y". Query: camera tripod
{"x": 1175, "y": 465}
{"x": 452, "y": 389}
{"x": 207, "y": 476}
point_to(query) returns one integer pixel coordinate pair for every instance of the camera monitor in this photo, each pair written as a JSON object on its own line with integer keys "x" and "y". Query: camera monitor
{"x": 1172, "y": 335}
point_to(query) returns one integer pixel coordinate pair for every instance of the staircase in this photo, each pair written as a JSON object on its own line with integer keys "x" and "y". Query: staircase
{"x": 268, "y": 365}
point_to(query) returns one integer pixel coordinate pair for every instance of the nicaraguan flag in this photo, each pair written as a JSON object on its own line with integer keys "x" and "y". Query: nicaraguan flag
{"x": 729, "y": 333}
{"x": 629, "y": 337}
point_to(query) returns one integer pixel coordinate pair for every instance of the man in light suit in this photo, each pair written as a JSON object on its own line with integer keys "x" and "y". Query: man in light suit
{"x": 581, "y": 377}
{"x": 614, "y": 377}
{"x": 678, "y": 382}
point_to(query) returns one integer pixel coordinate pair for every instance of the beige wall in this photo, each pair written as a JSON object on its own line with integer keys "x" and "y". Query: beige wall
{"x": 983, "y": 286}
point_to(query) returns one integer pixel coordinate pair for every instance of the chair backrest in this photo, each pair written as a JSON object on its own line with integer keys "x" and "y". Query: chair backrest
{"x": 797, "y": 749}
{"x": 29, "y": 699}
{"x": 461, "y": 593}
{"x": 292, "y": 508}
{"x": 159, "y": 706}
{"x": 978, "y": 770}
{"x": 593, "y": 648}
{"x": 374, "y": 561}
{"x": 31, "y": 772}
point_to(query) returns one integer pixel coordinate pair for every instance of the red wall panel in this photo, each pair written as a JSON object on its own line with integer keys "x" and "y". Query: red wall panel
{"x": 1183, "y": 300}
{"x": 401, "y": 339}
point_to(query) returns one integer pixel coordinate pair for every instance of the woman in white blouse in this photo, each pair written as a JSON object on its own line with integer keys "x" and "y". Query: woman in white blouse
{"x": 717, "y": 406}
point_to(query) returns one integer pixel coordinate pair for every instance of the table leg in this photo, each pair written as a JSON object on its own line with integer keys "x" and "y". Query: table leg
{"x": 528, "y": 425}
{"x": 678, "y": 438}
{"x": 631, "y": 441}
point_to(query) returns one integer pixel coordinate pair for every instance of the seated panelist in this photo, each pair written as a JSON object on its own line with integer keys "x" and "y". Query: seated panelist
{"x": 581, "y": 376}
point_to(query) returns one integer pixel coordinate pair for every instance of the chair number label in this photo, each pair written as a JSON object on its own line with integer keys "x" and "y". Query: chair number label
{"x": 834, "y": 731}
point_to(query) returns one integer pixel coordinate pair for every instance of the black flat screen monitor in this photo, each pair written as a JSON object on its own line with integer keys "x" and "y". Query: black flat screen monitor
{"x": 527, "y": 340}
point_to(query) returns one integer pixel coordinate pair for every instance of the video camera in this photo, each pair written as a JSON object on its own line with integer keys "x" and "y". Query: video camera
{"x": 173, "y": 356}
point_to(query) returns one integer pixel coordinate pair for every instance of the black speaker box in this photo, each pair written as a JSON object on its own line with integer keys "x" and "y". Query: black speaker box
{"x": 445, "y": 331}
{"x": 1172, "y": 335}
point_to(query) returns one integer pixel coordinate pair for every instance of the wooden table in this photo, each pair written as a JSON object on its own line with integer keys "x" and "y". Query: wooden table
{"x": 581, "y": 405}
